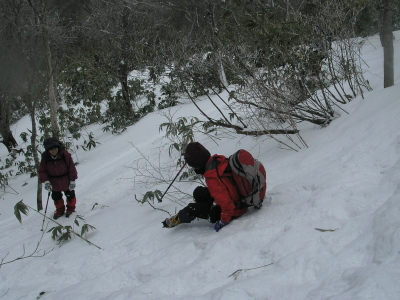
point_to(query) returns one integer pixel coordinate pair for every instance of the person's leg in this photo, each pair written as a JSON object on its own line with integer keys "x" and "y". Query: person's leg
{"x": 204, "y": 207}
{"x": 201, "y": 194}
{"x": 199, "y": 209}
{"x": 195, "y": 210}
{"x": 59, "y": 204}
{"x": 71, "y": 202}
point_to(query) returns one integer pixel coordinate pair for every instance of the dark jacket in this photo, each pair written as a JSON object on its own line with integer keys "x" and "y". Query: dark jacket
{"x": 59, "y": 171}
{"x": 223, "y": 189}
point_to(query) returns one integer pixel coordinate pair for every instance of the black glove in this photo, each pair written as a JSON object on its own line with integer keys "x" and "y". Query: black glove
{"x": 214, "y": 214}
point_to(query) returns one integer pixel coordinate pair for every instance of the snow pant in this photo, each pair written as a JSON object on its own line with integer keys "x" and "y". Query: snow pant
{"x": 202, "y": 208}
{"x": 59, "y": 202}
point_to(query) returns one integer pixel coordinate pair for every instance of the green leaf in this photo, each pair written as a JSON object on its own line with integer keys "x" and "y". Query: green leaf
{"x": 64, "y": 237}
{"x": 56, "y": 231}
{"x": 176, "y": 146}
{"x": 86, "y": 228}
{"x": 79, "y": 217}
{"x": 158, "y": 194}
{"x": 19, "y": 208}
{"x": 24, "y": 136}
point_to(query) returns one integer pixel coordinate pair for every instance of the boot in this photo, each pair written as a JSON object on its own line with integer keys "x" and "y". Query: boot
{"x": 60, "y": 208}
{"x": 57, "y": 215}
{"x": 69, "y": 211}
{"x": 71, "y": 204}
{"x": 172, "y": 222}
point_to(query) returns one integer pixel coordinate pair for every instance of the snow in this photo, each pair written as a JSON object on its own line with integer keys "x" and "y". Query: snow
{"x": 329, "y": 229}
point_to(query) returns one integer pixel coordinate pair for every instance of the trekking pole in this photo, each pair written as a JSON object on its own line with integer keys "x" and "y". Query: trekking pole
{"x": 45, "y": 211}
{"x": 160, "y": 200}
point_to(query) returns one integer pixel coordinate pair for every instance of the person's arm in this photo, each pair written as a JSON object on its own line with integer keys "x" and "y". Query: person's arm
{"x": 220, "y": 193}
{"x": 72, "y": 172}
{"x": 43, "y": 174}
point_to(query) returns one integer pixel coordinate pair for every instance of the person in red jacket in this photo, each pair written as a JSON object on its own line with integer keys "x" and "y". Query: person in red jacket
{"x": 216, "y": 171}
{"x": 58, "y": 173}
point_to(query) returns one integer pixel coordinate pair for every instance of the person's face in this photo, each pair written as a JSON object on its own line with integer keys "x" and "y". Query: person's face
{"x": 53, "y": 151}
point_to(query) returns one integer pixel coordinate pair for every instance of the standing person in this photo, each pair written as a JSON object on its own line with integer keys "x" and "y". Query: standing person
{"x": 58, "y": 173}
{"x": 218, "y": 176}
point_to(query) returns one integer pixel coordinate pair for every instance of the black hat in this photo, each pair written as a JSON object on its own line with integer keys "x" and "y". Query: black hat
{"x": 196, "y": 155}
{"x": 50, "y": 143}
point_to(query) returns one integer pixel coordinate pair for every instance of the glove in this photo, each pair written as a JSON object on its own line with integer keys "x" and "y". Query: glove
{"x": 47, "y": 186}
{"x": 214, "y": 214}
{"x": 219, "y": 225}
{"x": 72, "y": 185}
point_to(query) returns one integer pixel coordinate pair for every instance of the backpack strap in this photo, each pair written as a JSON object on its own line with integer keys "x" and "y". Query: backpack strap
{"x": 215, "y": 163}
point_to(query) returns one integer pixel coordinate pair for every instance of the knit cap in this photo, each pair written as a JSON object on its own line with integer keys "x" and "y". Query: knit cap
{"x": 50, "y": 143}
{"x": 196, "y": 155}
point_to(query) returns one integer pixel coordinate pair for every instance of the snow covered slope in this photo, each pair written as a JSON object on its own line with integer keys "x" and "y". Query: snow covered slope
{"x": 330, "y": 228}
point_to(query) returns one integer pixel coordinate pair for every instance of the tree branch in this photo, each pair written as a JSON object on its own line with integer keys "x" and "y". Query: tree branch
{"x": 23, "y": 256}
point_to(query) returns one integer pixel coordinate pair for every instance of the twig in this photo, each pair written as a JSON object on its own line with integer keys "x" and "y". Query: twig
{"x": 101, "y": 207}
{"x": 5, "y": 293}
{"x": 16, "y": 193}
{"x": 236, "y": 273}
{"x": 23, "y": 256}
{"x": 326, "y": 230}
{"x": 152, "y": 205}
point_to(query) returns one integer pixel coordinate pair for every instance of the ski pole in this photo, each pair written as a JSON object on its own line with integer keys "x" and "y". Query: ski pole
{"x": 45, "y": 211}
{"x": 160, "y": 200}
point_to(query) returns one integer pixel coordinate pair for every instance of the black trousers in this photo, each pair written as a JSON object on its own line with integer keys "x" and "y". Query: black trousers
{"x": 202, "y": 208}
{"x": 68, "y": 194}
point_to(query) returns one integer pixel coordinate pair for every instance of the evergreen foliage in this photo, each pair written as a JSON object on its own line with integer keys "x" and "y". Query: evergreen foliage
{"x": 278, "y": 60}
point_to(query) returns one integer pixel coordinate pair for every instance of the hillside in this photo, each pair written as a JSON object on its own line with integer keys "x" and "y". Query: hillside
{"x": 329, "y": 229}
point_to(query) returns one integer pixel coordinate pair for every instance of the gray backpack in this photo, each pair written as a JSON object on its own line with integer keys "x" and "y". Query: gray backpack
{"x": 250, "y": 177}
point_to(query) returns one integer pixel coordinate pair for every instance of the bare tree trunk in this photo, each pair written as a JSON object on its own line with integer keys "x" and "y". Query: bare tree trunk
{"x": 221, "y": 71}
{"x": 51, "y": 90}
{"x": 123, "y": 79}
{"x": 35, "y": 154}
{"x": 8, "y": 138}
{"x": 215, "y": 45}
{"x": 387, "y": 43}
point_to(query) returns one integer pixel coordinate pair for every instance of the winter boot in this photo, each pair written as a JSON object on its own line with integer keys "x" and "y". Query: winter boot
{"x": 60, "y": 208}
{"x": 69, "y": 212}
{"x": 57, "y": 215}
{"x": 172, "y": 222}
{"x": 71, "y": 204}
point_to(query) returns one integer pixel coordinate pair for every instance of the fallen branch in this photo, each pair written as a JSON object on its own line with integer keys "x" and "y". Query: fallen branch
{"x": 326, "y": 230}
{"x": 151, "y": 205}
{"x": 21, "y": 207}
{"x": 236, "y": 273}
{"x": 23, "y": 256}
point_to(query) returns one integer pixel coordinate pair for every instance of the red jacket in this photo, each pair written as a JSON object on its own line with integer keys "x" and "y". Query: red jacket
{"x": 59, "y": 171}
{"x": 222, "y": 188}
